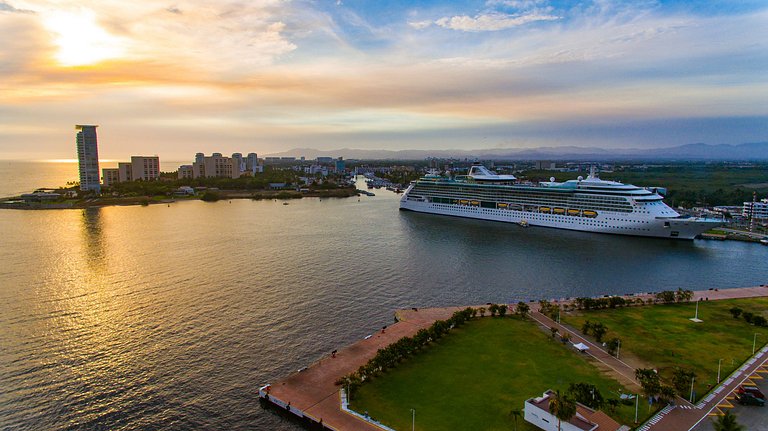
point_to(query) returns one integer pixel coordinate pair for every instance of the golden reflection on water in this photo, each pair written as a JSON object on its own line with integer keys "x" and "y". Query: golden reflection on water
{"x": 93, "y": 238}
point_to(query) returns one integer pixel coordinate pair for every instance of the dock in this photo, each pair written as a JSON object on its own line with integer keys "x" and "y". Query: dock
{"x": 312, "y": 396}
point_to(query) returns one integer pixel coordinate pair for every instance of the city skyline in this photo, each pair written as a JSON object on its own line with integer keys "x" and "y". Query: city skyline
{"x": 275, "y": 75}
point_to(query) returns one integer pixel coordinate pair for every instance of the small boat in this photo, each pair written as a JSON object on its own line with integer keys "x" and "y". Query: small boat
{"x": 463, "y": 201}
{"x": 573, "y": 212}
{"x": 559, "y": 211}
{"x": 285, "y": 203}
{"x": 589, "y": 213}
{"x": 544, "y": 209}
{"x": 475, "y": 203}
{"x": 502, "y": 205}
{"x": 523, "y": 223}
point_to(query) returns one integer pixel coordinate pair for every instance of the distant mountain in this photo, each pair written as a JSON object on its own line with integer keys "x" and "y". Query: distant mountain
{"x": 749, "y": 151}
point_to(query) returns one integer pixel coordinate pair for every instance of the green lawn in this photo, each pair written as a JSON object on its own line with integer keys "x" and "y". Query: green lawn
{"x": 663, "y": 336}
{"x": 474, "y": 376}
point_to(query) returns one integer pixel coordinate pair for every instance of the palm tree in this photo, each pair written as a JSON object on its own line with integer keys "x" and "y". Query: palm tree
{"x": 562, "y": 407}
{"x": 516, "y": 414}
{"x": 727, "y": 422}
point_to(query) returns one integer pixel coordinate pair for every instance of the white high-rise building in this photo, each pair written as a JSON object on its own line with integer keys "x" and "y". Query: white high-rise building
{"x": 88, "y": 158}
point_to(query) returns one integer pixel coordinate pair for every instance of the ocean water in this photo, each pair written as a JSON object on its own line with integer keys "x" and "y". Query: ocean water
{"x": 171, "y": 316}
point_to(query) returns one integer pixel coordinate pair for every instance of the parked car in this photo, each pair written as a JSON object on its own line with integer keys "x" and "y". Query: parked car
{"x": 748, "y": 399}
{"x": 754, "y": 390}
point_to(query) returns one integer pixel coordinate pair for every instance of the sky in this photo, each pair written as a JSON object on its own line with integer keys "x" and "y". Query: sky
{"x": 177, "y": 77}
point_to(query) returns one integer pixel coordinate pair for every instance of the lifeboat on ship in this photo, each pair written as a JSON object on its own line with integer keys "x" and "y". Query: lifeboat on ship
{"x": 590, "y": 213}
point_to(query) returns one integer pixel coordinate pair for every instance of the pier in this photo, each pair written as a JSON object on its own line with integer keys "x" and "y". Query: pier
{"x": 312, "y": 395}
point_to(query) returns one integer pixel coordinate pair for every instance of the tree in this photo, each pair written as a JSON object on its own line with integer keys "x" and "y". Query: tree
{"x": 587, "y": 394}
{"x": 727, "y": 422}
{"x": 682, "y": 379}
{"x": 482, "y": 311}
{"x": 667, "y": 393}
{"x": 493, "y": 308}
{"x": 522, "y": 309}
{"x": 612, "y": 345}
{"x": 586, "y": 327}
{"x": 759, "y": 320}
{"x": 502, "y": 310}
{"x": 649, "y": 381}
{"x": 562, "y": 407}
{"x": 736, "y": 312}
{"x": 553, "y": 330}
{"x": 747, "y": 316}
{"x": 516, "y": 414}
{"x": 598, "y": 330}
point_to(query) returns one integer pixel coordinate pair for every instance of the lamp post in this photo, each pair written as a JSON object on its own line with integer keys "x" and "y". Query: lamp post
{"x": 618, "y": 349}
{"x": 754, "y": 340}
{"x": 413, "y": 419}
{"x": 693, "y": 379}
{"x": 719, "y": 361}
{"x": 637, "y": 403}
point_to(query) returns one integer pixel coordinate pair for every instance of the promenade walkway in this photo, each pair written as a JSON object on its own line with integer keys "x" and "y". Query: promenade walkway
{"x": 311, "y": 393}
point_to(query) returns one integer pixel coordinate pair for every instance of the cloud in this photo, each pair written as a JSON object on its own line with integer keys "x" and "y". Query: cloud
{"x": 491, "y": 21}
{"x": 5, "y": 7}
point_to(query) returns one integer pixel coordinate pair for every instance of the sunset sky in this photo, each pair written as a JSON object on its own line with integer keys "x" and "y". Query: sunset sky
{"x": 177, "y": 77}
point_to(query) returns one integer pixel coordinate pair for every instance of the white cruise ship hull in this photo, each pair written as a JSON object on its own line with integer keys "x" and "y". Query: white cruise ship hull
{"x": 605, "y": 222}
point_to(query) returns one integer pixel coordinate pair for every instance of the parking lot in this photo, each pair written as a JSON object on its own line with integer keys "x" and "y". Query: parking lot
{"x": 753, "y": 418}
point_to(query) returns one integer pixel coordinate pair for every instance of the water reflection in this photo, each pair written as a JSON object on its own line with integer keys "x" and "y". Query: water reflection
{"x": 93, "y": 237}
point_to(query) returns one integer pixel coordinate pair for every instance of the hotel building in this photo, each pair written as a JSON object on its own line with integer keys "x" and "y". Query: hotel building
{"x": 88, "y": 158}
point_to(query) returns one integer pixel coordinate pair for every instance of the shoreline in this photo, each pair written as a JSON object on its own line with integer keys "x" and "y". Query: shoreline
{"x": 17, "y": 204}
{"x": 312, "y": 396}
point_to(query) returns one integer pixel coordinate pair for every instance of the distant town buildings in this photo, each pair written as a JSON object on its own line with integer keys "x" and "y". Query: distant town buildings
{"x": 340, "y": 166}
{"x": 125, "y": 171}
{"x": 756, "y": 210}
{"x": 88, "y": 158}
{"x": 185, "y": 171}
{"x": 145, "y": 168}
{"x": 218, "y": 166}
{"x": 110, "y": 176}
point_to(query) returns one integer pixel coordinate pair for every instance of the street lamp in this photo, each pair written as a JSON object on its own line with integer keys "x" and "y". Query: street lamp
{"x": 754, "y": 340}
{"x": 719, "y": 361}
{"x": 413, "y": 419}
{"x": 618, "y": 349}
{"x": 693, "y": 379}
{"x": 637, "y": 402}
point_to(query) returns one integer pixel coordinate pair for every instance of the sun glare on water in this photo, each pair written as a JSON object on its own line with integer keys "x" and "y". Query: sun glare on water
{"x": 80, "y": 39}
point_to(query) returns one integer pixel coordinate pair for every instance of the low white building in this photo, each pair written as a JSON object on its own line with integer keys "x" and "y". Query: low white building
{"x": 758, "y": 210}
{"x": 536, "y": 412}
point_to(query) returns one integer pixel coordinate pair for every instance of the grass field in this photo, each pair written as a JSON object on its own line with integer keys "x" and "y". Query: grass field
{"x": 662, "y": 335}
{"x": 472, "y": 378}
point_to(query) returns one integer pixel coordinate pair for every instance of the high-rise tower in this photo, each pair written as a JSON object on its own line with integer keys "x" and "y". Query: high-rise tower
{"x": 88, "y": 158}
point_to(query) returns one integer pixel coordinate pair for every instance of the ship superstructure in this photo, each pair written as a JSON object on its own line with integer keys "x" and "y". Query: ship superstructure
{"x": 586, "y": 204}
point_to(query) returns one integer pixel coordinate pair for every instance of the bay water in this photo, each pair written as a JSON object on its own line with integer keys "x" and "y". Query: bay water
{"x": 171, "y": 316}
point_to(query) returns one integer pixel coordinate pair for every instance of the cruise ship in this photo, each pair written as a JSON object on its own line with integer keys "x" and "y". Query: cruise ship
{"x": 585, "y": 204}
